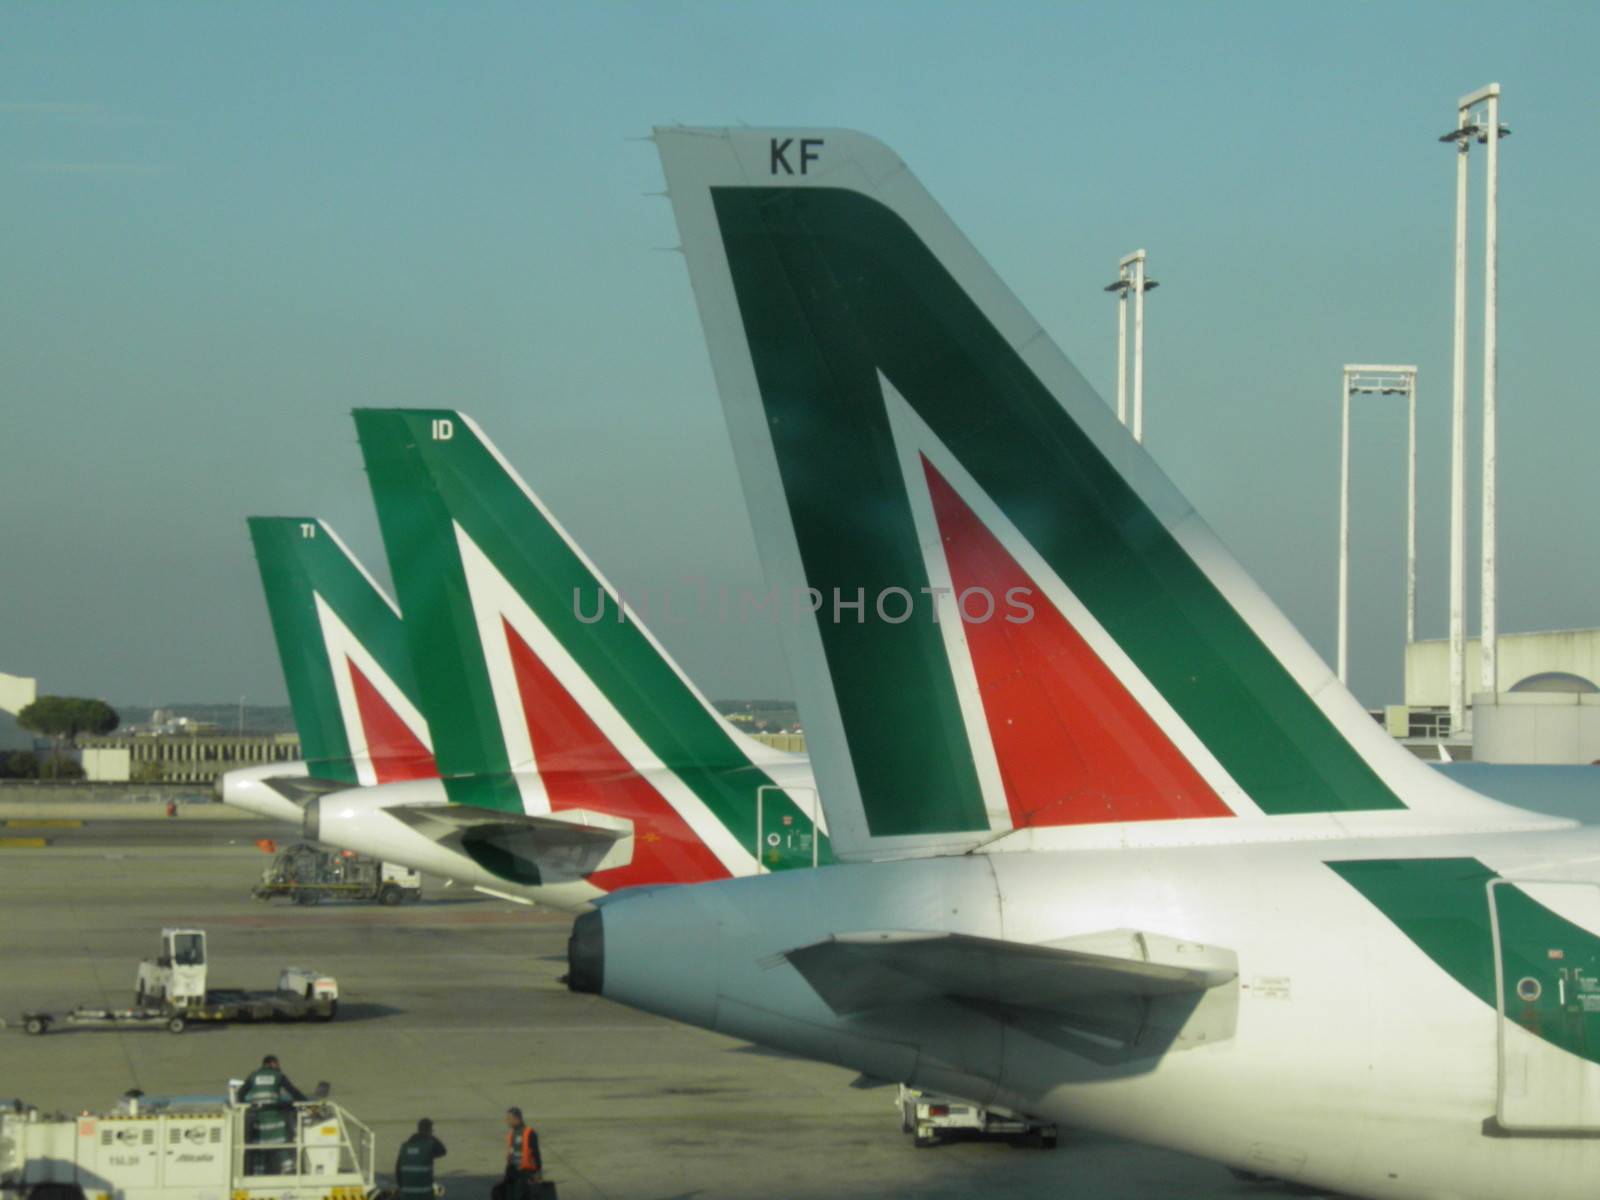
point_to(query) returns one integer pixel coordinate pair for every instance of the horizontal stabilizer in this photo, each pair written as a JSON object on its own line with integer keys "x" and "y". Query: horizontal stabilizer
{"x": 302, "y": 788}
{"x": 526, "y": 848}
{"x": 858, "y": 972}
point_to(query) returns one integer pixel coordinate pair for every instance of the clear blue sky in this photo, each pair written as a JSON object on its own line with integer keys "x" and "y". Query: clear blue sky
{"x": 223, "y": 226}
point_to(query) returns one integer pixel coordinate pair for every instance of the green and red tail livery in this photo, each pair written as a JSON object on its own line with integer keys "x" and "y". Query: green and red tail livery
{"x": 545, "y": 693}
{"x": 1018, "y": 623}
{"x": 344, "y": 655}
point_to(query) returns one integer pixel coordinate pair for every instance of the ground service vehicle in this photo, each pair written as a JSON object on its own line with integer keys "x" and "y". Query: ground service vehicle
{"x": 173, "y": 991}
{"x": 183, "y": 1148}
{"x": 931, "y": 1117}
{"x": 176, "y": 981}
{"x": 310, "y": 874}
{"x": 95, "y": 1017}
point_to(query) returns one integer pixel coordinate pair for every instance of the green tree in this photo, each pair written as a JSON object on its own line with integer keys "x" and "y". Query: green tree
{"x": 147, "y": 772}
{"x": 60, "y": 770}
{"x": 63, "y": 718}
{"x": 19, "y": 764}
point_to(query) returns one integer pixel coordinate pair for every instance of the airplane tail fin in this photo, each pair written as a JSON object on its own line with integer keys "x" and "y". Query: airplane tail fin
{"x": 1014, "y": 621}
{"x": 545, "y": 692}
{"x": 342, "y": 646}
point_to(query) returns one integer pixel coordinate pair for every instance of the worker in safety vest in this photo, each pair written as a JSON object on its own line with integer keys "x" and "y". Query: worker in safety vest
{"x": 413, "y": 1168}
{"x": 270, "y": 1121}
{"x": 524, "y": 1167}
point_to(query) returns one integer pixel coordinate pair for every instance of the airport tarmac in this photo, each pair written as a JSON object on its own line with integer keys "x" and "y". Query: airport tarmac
{"x": 452, "y": 1009}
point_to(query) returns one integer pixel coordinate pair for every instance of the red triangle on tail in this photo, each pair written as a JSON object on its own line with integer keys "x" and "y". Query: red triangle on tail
{"x": 582, "y": 769}
{"x": 1074, "y": 747}
{"x": 397, "y": 754}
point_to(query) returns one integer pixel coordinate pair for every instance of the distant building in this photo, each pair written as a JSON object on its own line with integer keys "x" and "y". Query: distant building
{"x": 190, "y": 757}
{"x": 1546, "y": 711}
{"x": 794, "y": 743}
{"x": 1533, "y": 727}
{"x": 105, "y": 764}
{"x": 16, "y": 693}
{"x": 167, "y": 722}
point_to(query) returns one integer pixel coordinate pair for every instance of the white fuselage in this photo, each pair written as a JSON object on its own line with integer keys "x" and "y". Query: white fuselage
{"x": 250, "y": 789}
{"x": 356, "y": 819}
{"x": 1356, "y": 1062}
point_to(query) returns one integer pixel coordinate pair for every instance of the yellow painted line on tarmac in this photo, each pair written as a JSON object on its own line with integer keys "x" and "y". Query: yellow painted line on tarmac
{"x": 44, "y": 823}
{"x": 23, "y": 843}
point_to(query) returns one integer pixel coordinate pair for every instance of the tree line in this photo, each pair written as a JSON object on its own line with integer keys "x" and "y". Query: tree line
{"x": 61, "y": 719}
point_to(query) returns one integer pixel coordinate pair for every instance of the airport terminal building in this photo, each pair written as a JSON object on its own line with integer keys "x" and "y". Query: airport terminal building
{"x": 1548, "y": 710}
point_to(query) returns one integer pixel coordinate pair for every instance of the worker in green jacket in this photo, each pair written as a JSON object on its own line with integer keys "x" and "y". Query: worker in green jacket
{"x": 267, "y": 1084}
{"x": 271, "y": 1097}
{"x": 413, "y": 1167}
{"x": 273, "y": 1126}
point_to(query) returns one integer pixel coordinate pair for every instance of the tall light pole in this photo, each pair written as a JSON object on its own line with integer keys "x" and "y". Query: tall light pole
{"x": 1458, "y": 442}
{"x": 1131, "y": 277}
{"x": 1122, "y": 353}
{"x": 1489, "y": 136}
{"x": 1140, "y": 286}
{"x": 1344, "y": 528}
{"x": 1470, "y": 128}
{"x": 1411, "y": 507}
{"x": 1366, "y": 379}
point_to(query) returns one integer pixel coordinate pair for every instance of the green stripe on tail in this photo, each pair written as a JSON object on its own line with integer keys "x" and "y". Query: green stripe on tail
{"x": 424, "y": 484}
{"x": 300, "y": 559}
{"x": 834, "y": 288}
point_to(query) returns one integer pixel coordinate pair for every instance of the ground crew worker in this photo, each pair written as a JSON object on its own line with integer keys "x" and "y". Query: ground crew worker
{"x": 272, "y": 1125}
{"x": 413, "y": 1168}
{"x": 267, "y": 1084}
{"x": 271, "y": 1096}
{"x": 524, "y": 1167}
